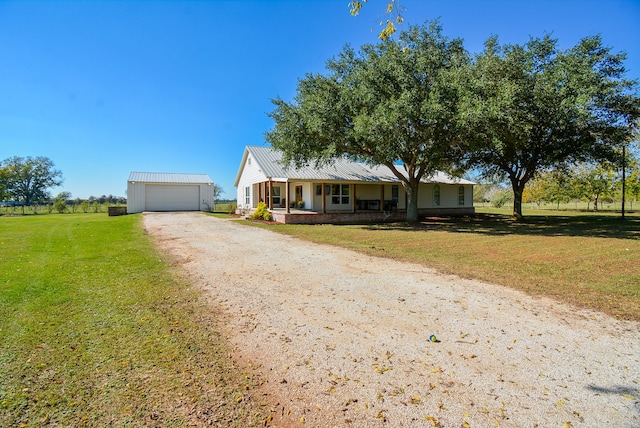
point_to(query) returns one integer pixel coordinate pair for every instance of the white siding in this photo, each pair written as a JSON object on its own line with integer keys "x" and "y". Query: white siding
{"x": 175, "y": 196}
{"x": 251, "y": 174}
{"x": 135, "y": 197}
{"x": 448, "y": 196}
{"x": 207, "y": 200}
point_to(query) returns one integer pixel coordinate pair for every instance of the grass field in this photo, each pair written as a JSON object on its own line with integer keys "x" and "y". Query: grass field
{"x": 96, "y": 330}
{"x": 225, "y": 207}
{"x": 588, "y": 260}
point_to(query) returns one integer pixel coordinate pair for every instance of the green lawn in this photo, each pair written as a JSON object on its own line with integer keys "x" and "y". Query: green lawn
{"x": 96, "y": 330}
{"x": 588, "y": 260}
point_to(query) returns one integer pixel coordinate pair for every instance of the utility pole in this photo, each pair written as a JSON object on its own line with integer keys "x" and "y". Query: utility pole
{"x": 624, "y": 178}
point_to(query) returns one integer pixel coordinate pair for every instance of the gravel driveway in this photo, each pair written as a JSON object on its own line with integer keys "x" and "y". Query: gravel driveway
{"x": 342, "y": 339}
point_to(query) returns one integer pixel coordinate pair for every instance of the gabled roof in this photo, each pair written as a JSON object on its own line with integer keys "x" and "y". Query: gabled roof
{"x": 271, "y": 164}
{"x": 169, "y": 177}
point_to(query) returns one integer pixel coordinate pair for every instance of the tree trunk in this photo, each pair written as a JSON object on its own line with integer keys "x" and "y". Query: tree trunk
{"x": 595, "y": 203}
{"x": 412, "y": 202}
{"x": 518, "y": 190}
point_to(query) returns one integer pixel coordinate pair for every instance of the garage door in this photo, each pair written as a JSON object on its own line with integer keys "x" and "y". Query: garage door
{"x": 172, "y": 198}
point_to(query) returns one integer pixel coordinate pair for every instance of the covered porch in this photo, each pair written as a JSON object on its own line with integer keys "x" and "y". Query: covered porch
{"x": 308, "y": 197}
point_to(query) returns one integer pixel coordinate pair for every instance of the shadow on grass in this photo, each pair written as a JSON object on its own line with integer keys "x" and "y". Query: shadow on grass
{"x": 593, "y": 225}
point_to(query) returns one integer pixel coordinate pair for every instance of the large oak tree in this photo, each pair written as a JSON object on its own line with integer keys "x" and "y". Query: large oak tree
{"x": 27, "y": 180}
{"x": 534, "y": 107}
{"x": 394, "y": 104}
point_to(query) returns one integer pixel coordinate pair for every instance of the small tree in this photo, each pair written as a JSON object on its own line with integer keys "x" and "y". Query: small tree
{"x": 60, "y": 202}
{"x": 60, "y": 205}
{"x": 594, "y": 182}
{"x": 498, "y": 196}
{"x": 75, "y": 205}
{"x": 633, "y": 186}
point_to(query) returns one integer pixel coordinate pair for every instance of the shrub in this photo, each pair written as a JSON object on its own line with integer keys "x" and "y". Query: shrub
{"x": 60, "y": 205}
{"x": 500, "y": 198}
{"x": 261, "y": 213}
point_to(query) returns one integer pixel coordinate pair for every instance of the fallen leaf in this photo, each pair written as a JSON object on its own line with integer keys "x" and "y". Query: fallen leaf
{"x": 433, "y": 421}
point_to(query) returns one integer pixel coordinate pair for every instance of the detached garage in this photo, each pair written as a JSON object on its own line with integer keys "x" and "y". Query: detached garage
{"x": 161, "y": 191}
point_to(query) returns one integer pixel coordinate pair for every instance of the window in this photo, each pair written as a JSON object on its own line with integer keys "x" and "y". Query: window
{"x": 276, "y": 195}
{"x": 319, "y": 190}
{"x": 460, "y": 195}
{"x": 247, "y": 196}
{"x": 436, "y": 195}
{"x": 395, "y": 193}
{"x": 340, "y": 194}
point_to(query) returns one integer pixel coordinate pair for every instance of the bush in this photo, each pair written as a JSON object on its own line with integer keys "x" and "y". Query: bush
{"x": 60, "y": 205}
{"x": 261, "y": 213}
{"x": 500, "y": 198}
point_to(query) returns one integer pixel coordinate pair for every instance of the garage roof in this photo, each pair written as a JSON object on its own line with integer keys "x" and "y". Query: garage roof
{"x": 169, "y": 177}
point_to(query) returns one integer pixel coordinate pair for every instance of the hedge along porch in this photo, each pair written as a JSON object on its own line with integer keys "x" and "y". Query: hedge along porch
{"x": 345, "y": 192}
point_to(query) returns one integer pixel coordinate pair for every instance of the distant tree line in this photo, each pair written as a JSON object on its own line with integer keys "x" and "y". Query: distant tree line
{"x": 595, "y": 184}
{"x": 26, "y": 182}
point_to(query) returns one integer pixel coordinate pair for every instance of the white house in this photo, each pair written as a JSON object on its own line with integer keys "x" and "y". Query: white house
{"x": 344, "y": 192}
{"x": 161, "y": 191}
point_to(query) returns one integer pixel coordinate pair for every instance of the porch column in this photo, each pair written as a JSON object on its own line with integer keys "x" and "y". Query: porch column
{"x": 353, "y": 199}
{"x": 324, "y": 199}
{"x": 259, "y": 192}
{"x": 288, "y": 191}
{"x": 270, "y": 194}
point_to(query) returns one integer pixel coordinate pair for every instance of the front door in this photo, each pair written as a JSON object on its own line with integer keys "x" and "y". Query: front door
{"x": 298, "y": 194}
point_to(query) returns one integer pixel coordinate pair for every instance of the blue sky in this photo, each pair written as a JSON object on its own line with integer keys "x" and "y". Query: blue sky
{"x": 106, "y": 88}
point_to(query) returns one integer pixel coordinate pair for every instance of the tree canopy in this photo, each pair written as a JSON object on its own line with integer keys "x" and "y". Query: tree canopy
{"x": 27, "y": 180}
{"x": 534, "y": 107}
{"x": 392, "y": 104}
{"x": 421, "y": 104}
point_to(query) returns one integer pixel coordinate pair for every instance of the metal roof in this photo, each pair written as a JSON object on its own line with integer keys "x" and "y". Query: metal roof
{"x": 271, "y": 164}
{"x": 169, "y": 177}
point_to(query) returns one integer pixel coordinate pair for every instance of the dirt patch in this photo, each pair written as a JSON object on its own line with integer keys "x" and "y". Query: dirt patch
{"x": 342, "y": 339}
